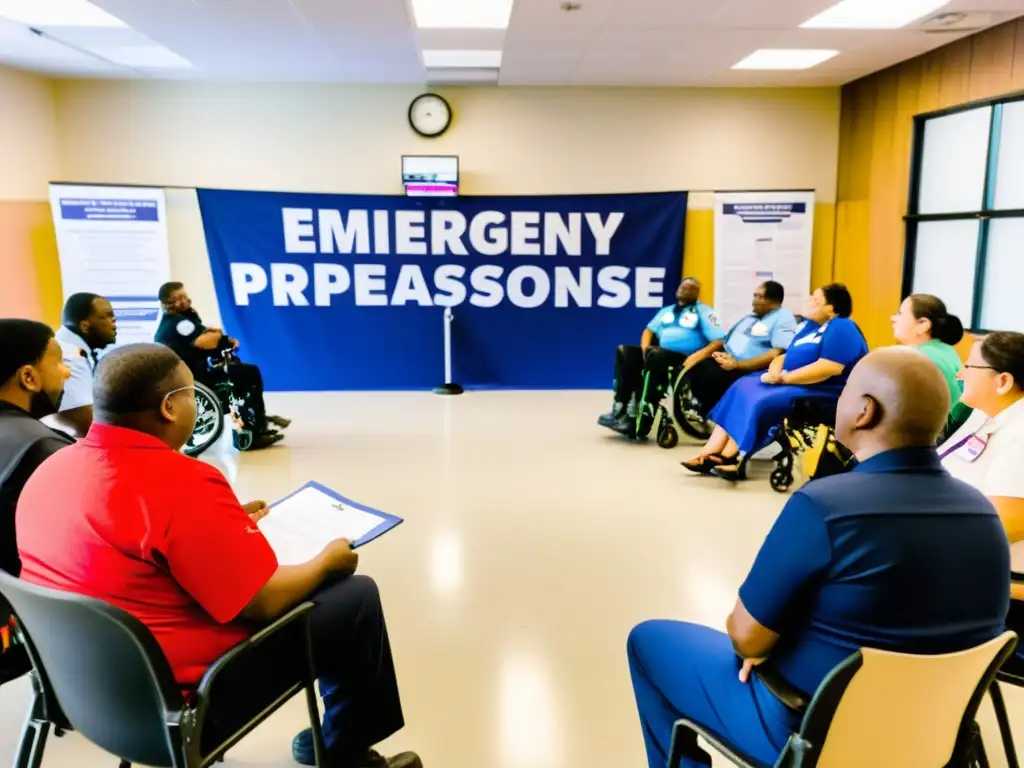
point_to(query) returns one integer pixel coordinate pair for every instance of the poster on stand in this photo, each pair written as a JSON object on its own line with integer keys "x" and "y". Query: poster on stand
{"x": 112, "y": 241}
{"x": 762, "y": 236}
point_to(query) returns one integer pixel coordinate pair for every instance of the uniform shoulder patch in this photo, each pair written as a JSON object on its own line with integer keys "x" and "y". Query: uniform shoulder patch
{"x": 713, "y": 317}
{"x": 185, "y": 327}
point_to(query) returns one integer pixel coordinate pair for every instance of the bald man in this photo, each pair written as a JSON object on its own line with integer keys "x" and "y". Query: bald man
{"x": 895, "y": 554}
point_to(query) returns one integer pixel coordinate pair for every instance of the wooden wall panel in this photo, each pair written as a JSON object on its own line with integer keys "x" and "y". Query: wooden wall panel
{"x": 876, "y": 136}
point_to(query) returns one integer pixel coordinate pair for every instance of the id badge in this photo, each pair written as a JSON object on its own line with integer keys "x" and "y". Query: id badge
{"x": 973, "y": 448}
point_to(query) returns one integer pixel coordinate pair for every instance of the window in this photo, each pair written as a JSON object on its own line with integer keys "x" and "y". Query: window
{"x": 965, "y": 223}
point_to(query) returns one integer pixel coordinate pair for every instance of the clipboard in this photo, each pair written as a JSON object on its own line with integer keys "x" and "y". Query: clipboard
{"x": 313, "y": 515}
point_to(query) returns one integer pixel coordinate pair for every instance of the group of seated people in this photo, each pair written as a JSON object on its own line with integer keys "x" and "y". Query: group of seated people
{"x": 89, "y": 329}
{"x": 123, "y": 516}
{"x": 918, "y": 548}
{"x": 747, "y": 380}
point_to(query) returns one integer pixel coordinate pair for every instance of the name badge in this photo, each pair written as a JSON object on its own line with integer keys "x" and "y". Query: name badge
{"x": 973, "y": 448}
{"x": 759, "y": 329}
{"x": 688, "y": 320}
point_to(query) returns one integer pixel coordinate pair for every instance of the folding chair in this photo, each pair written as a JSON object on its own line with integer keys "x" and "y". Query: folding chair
{"x": 98, "y": 670}
{"x": 1012, "y": 673}
{"x": 884, "y": 710}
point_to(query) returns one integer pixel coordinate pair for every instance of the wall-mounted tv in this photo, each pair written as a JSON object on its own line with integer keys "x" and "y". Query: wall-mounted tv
{"x": 430, "y": 175}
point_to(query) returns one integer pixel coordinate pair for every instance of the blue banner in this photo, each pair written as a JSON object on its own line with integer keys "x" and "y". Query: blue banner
{"x": 336, "y": 292}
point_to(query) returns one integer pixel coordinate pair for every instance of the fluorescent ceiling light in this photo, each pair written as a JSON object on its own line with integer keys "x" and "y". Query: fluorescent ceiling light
{"x": 58, "y": 13}
{"x": 459, "y": 59}
{"x": 873, "y": 14}
{"x": 784, "y": 58}
{"x": 143, "y": 56}
{"x": 462, "y": 14}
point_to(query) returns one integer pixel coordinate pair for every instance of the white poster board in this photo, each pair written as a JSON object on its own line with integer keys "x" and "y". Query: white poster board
{"x": 762, "y": 236}
{"x": 112, "y": 241}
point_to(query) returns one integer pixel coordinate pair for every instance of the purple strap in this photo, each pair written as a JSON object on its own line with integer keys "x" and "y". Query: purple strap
{"x": 956, "y": 447}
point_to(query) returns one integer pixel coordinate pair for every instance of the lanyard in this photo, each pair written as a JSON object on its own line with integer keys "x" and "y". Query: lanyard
{"x": 958, "y": 446}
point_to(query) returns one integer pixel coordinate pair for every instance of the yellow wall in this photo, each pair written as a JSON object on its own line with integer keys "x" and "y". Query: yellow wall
{"x": 30, "y": 284}
{"x": 875, "y": 153}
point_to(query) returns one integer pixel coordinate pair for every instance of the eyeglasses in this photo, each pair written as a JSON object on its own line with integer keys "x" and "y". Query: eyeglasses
{"x": 980, "y": 367}
{"x": 176, "y": 391}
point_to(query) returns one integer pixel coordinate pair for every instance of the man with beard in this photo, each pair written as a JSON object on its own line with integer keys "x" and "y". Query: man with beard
{"x": 32, "y": 375}
{"x": 197, "y": 345}
{"x": 89, "y": 326}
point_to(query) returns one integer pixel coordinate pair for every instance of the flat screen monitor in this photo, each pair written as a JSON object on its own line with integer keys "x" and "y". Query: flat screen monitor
{"x": 430, "y": 175}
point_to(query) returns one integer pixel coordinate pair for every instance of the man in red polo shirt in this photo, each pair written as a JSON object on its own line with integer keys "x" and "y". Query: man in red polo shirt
{"x": 163, "y": 537}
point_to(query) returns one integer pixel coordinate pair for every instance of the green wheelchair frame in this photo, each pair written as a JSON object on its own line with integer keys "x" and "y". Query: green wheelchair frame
{"x": 213, "y": 403}
{"x": 686, "y": 417}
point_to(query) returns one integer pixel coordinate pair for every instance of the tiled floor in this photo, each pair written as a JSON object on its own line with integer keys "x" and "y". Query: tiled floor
{"x": 533, "y": 541}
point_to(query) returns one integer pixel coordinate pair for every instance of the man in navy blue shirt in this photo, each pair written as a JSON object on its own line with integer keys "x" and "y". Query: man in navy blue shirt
{"x": 895, "y": 554}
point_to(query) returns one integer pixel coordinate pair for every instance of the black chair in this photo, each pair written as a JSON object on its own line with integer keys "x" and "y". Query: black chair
{"x": 99, "y": 671}
{"x": 884, "y": 710}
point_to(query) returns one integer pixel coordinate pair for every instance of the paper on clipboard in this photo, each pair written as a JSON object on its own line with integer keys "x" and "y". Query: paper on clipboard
{"x": 299, "y": 526}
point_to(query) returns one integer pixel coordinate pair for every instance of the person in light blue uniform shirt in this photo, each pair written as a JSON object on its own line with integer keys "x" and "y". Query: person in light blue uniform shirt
{"x": 817, "y": 363}
{"x": 674, "y": 334}
{"x": 750, "y": 345}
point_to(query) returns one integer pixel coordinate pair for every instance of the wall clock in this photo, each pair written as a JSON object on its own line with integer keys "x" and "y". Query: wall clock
{"x": 430, "y": 115}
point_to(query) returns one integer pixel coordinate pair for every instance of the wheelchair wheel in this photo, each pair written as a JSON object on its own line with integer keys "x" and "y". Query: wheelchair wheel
{"x": 209, "y": 421}
{"x": 689, "y": 419}
{"x": 668, "y": 437}
{"x": 781, "y": 479}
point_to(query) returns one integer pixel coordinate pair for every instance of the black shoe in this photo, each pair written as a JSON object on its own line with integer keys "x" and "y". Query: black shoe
{"x": 610, "y": 419}
{"x": 303, "y": 754}
{"x": 625, "y": 425}
{"x": 279, "y": 421}
{"x": 265, "y": 441}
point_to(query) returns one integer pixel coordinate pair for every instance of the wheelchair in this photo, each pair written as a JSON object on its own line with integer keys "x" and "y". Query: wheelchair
{"x": 685, "y": 415}
{"x": 808, "y": 434}
{"x": 212, "y": 405}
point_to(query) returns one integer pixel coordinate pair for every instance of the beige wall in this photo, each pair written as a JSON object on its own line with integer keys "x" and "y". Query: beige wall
{"x": 511, "y": 140}
{"x": 28, "y": 136}
{"x": 342, "y": 138}
{"x": 30, "y": 284}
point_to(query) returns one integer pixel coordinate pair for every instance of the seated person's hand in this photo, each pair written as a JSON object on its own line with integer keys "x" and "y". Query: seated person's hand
{"x": 234, "y": 343}
{"x": 747, "y": 668}
{"x": 771, "y": 377}
{"x": 725, "y": 360}
{"x": 338, "y": 557}
{"x": 256, "y": 510}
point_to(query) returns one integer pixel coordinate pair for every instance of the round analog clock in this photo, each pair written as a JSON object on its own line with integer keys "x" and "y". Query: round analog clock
{"x": 430, "y": 115}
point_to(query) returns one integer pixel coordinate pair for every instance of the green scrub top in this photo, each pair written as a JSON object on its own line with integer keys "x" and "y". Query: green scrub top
{"x": 948, "y": 362}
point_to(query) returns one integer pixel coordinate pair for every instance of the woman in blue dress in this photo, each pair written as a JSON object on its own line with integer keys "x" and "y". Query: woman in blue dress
{"x": 819, "y": 359}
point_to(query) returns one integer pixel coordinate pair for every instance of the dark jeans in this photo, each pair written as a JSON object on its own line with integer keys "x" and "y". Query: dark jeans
{"x": 630, "y": 366}
{"x": 708, "y": 382}
{"x": 247, "y": 386}
{"x": 659, "y": 365}
{"x": 629, "y": 373}
{"x": 353, "y": 665}
{"x": 352, "y": 659}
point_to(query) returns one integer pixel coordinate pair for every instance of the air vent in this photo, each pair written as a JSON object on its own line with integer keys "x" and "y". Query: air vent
{"x": 955, "y": 23}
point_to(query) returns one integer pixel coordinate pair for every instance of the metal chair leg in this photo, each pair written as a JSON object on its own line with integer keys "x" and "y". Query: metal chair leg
{"x": 319, "y": 750}
{"x": 999, "y": 705}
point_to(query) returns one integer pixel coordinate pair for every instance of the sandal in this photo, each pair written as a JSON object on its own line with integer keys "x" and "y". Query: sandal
{"x": 731, "y": 468}
{"x": 704, "y": 465}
